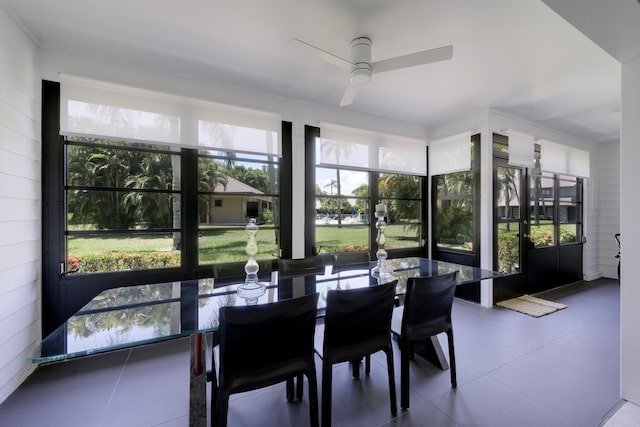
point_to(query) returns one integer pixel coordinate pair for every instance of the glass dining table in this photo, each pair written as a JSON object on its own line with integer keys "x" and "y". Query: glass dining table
{"x": 131, "y": 316}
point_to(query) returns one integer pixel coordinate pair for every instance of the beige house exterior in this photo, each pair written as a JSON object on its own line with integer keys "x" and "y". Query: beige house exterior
{"x": 235, "y": 204}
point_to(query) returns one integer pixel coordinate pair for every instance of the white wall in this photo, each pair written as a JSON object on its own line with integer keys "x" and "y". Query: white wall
{"x": 20, "y": 242}
{"x": 630, "y": 229}
{"x": 608, "y": 208}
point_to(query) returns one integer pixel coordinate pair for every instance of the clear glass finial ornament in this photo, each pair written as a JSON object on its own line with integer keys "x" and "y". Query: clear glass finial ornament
{"x": 381, "y": 271}
{"x": 251, "y": 289}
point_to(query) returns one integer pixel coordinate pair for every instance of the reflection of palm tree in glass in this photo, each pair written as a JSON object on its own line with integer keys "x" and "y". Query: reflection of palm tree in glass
{"x": 404, "y": 192}
{"x": 508, "y": 181}
{"x": 121, "y": 322}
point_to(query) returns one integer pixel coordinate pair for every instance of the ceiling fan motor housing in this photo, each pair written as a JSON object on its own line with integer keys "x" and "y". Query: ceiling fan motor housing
{"x": 361, "y": 54}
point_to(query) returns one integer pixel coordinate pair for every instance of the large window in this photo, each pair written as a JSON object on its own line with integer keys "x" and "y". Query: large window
{"x": 404, "y": 199}
{"x": 455, "y": 208}
{"x": 342, "y": 210}
{"x": 121, "y": 205}
{"x": 142, "y": 187}
{"x": 357, "y": 170}
{"x": 235, "y": 188}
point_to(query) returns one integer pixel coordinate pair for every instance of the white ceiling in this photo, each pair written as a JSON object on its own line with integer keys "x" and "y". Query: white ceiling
{"x": 513, "y": 56}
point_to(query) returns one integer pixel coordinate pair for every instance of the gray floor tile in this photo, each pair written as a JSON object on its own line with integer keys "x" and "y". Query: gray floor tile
{"x": 486, "y": 402}
{"x": 513, "y": 370}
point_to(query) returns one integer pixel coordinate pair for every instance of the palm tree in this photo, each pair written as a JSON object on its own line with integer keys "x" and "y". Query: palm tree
{"x": 210, "y": 176}
{"x": 508, "y": 180}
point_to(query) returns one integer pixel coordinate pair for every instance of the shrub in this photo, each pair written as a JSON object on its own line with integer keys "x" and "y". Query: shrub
{"x": 267, "y": 216}
{"x": 352, "y": 248}
{"x": 116, "y": 261}
{"x": 508, "y": 253}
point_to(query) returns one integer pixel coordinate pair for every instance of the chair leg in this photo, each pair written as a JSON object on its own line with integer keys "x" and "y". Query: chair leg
{"x": 214, "y": 394}
{"x": 405, "y": 349}
{"x": 290, "y": 389}
{"x": 313, "y": 398}
{"x": 222, "y": 409}
{"x": 300, "y": 387}
{"x": 392, "y": 381}
{"x": 327, "y": 374}
{"x": 355, "y": 369}
{"x": 367, "y": 364}
{"x": 452, "y": 359}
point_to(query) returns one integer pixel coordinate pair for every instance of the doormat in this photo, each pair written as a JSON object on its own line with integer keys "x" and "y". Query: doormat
{"x": 536, "y": 307}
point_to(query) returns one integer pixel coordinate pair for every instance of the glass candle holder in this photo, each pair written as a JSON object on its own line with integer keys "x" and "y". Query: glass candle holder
{"x": 381, "y": 271}
{"x": 251, "y": 289}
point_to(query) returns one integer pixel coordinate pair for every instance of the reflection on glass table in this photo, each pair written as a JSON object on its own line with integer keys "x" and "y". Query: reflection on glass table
{"x": 136, "y": 315}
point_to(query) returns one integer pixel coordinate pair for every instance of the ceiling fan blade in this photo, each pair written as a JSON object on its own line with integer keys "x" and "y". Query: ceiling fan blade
{"x": 324, "y": 55}
{"x": 411, "y": 60}
{"x": 349, "y": 94}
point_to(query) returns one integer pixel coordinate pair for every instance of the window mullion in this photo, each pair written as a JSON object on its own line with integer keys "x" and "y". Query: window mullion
{"x": 189, "y": 211}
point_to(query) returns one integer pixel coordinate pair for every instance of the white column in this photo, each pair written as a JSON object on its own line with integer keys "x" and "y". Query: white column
{"x": 630, "y": 232}
{"x": 486, "y": 213}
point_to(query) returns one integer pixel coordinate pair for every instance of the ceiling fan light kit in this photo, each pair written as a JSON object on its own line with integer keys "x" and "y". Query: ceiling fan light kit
{"x": 361, "y": 52}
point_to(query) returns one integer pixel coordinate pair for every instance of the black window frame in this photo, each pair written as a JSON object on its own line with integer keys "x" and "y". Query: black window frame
{"x": 64, "y": 294}
{"x": 311, "y": 135}
{"x": 471, "y": 258}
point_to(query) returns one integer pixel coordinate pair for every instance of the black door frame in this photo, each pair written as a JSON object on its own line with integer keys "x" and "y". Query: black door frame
{"x": 542, "y": 268}
{"x": 512, "y": 285}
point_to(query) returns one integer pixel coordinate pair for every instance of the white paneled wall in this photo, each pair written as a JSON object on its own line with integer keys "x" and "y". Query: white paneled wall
{"x": 20, "y": 211}
{"x": 608, "y": 165}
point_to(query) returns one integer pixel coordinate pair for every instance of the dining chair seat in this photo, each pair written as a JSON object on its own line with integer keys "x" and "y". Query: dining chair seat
{"x": 262, "y": 345}
{"x": 426, "y": 312}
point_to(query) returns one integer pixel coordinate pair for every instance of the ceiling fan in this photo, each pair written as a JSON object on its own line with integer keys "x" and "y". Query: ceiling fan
{"x": 361, "y": 68}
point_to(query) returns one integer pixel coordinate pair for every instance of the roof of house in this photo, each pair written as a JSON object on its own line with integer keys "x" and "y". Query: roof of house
{"x": 235, "y": 187}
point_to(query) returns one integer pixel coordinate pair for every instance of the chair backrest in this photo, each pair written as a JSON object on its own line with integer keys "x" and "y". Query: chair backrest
{"x": 233, "y": 272}
{"x": 263, "y": 344}
{"x": 358, "y": 316}
{"x": 301, "y": 267}
{"x": 427, "y": 305}
{"x": 349, "y": 260}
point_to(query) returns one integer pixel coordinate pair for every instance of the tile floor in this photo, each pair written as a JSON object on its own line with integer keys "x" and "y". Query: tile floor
{"x": 513, "y": 370}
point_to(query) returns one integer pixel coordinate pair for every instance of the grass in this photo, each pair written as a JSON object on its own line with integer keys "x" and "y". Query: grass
{"x": 222, "y": 244}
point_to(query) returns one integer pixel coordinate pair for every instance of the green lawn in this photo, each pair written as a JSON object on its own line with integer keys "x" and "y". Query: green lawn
{"x": 220, "y": 244}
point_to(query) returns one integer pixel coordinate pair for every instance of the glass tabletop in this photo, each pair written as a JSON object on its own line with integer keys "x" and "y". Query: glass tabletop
{"x": 137, "y": 315}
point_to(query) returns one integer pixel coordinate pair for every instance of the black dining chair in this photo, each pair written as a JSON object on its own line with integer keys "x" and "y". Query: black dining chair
{"x": 349, "y": 260}
{"x": 301, "y": 267}
{"x": 233, "y": 272}
{"x": 263, "y": 345}
{"x": 287, "y": 269}
{"x": 357, "y": 324}
{"x": 426, "y": 312}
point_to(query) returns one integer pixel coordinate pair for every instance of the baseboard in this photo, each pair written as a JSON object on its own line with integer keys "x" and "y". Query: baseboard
{"x": 592, "y": 276}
